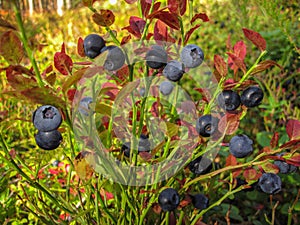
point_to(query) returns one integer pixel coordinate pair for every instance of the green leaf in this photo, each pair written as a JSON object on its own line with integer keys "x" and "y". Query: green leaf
{"x": 11, "y": 47}
{"x": 264, "y": 138}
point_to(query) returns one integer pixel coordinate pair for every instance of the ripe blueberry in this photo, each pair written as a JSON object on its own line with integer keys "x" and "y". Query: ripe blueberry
{"x": 252, "y": 96}
{"x": 200, "y": 165}
{"x": 229, "y": 100}
{"x": 93, "y": 43}
{"x": 156, "y": 57}
{"x": 166, "y": 87}
{"x": 115, "y": 58}
{"x": 270, "y": 183}
{"x": 284, "y": 167}
{"x": 191, "y": 56}
{"x": 142, "y": 91}
{"x": 84, "y": 105}
{"x": 206, "y": 125}
{"x": 168, "y": 199}
{"x": 174, "y": 70}
{"x": 200, "y": 201}
{"x": 46, "y": 118}
{"x": 240, "y": 146}
{"x": 143, "y": 146}
{"x": 48, "y": 140}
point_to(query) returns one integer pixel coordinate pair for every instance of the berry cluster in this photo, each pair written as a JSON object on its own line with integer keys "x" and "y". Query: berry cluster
{"x": 230, "y": 100}
{"x": 46, "y": 119}
{"x": 191, "y": 56}
{"x": 94, "y": 45}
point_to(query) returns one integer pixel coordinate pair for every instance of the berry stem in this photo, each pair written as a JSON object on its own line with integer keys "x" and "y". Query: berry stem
{"x": 25, "y": 43}
{"x": 248, "y": 73}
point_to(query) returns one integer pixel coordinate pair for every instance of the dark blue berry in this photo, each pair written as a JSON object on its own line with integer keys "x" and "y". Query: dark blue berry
{"x": 46, "y": 118}
{"x": 270, "y": 183}
{"x": 252, "y": 96}
{"x": 200, "y": 165}
{"x": 93, "y": 43}
{"x": 240, "y": 146}
{"x": 206, "y": 125}
{"x": 166, "y": 87}
{"x": 191, "y": 56}
{"x": 229, "y": 100}
{"x": 84, "y": 105}
{"x": 48, "y": 140}
{"x": 174, "y": 70}
{"x": 115, "y": 58}
{"x": 156, "y": 57}
{"x": 168, "y": 199}
{"x": 200, "y": 201}
{"x": 144, "y": 145}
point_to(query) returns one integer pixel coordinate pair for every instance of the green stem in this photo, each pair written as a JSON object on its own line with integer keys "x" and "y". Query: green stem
{"x": 216, "y": 92}
{"x": 247, "y": 74}
{"x": 29, "y": 180}
{"x": 215, "y": 204}
{"x": 148, "y": 22}
{"x": 26, "y": 46}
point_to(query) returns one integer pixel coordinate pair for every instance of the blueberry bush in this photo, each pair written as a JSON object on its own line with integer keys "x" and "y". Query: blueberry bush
{"x": 178, "y": 113}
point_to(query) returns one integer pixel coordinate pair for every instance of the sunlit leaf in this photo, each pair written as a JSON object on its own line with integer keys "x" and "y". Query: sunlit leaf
{"x": 255, "y": 38}
{"x": 11, "y": 47}
{"x": 104, "y": 18}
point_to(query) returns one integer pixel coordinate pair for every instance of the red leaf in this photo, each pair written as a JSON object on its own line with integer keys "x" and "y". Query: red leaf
{"x": 6, "y": 24}
{"x": 177, "y": 6}
{"x": 137, "y": 24}
{"x": 80, "y": 48}
{"x": 231, "y": 161}
{"x": 206, "y": 96}
{"x": 182, "y": 7}
{"x": 269, "y": 167}
{"x": 104, "y": 18}
{"x": 255, "y": 38}
{"x": 274, "y": 140}
{"x": 189, "y": 33}
{"x": 63, "y": 48}
{"x": 71, "y": 94}
{"x": 240, "y": 50}
{"x": 220, "y": 65}
{"x": 293, "y": 129}
{"x": 88, "y": 2}
{"x": 295, "y": 160}
{"x": 173, "y": 6}
{"x": 122, "y": 74}
{"x": 168, "y": 18}
{"x": 125, "y": 39}
{"x": 228, "y": 43}
{"x": 130, "y": 1}
{"x": 160, "y": 31}
{"x": 291, "y": 144}
{"x": 229, "y": 123}
{"x": 265, "y": 65}
{"x": 17, "y": 81}
{"x": 251, "y": 174}
{"x": 146, "y": 5}
{"x": 62, "y": 62}
{"x": 236, "y": 62}
{"x": 201, "y": 16}
{"x": 11, "y": 47}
